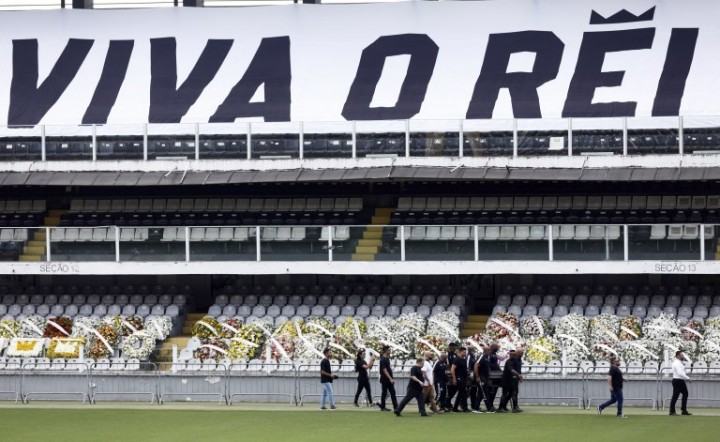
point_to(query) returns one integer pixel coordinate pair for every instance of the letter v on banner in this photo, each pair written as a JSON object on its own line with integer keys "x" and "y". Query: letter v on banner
{"x": 29, "y": 102}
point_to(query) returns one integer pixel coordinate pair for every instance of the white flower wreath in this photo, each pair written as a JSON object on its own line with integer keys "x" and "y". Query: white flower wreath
{"x": 159, "y": 327}
{"x": 138, "y": 345}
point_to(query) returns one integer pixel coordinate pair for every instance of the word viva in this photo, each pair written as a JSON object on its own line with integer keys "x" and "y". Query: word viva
{"x": 271, "y": 69}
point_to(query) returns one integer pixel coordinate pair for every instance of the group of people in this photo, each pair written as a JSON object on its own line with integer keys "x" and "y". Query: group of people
{"x": 458, "y": 376}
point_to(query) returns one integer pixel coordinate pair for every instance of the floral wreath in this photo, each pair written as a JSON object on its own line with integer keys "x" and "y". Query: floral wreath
{"x": 138, "y": 345}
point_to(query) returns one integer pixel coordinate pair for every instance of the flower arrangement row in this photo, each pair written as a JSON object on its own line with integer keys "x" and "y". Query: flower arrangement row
{"x": 303, "y": 340}
{"x": 62, "y": 337}
{"x": 580, "y": 338}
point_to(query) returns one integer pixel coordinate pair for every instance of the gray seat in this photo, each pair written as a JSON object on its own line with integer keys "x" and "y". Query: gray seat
{"x": 244, "y": 311}
{"x": 566, "y": 300}
{"x": 42, "y": 310}
{"x": 550, "y": 300}
{"x": 318, "y": 310}
{"x": 581, "y": 300}
{"x": 529, "y": 310}
{"x": 214, "y": 311}
{"x": 114, "y": 310}
{"x": 592, "y": 310}
{"x": 577, "y": 310}
{"x": 519, "y": 300}
{"x": 642, "y": 300}
{"x": 258, "y": 311}
{"x": 86, "y": 310}
{"x": 702, "y": 312}
{"x": 128, "y": 310}
{"x": 71, "y": 311}
{"x": 653, "y": 311}
{"x": 623, "y": 310}
{"x": 504, "y": 300}
{"x": 392, "y": 311}
{"x": 627, "y": 300}
{"x": 143, "y": 310}
{"x": 56, "y": 310}
{"x": 689, "y": 300}
{"x": 273, "y": 311}
{"x": 685, "y": 312}
{"x": 422, "y": 310}
{"x": 607, "y": 310}
{"x": 228, "y": 310}
{"x": 560, "y": 310}
{"x": 288, "y": 310}
{"x": 333, "y": 311}
{"x": 669, "y": 310}
{"x": 303, "y": 311}
{"x": 534, "y": 300}
{"x": 639, "y": 311}
{"x": 295, "y": 300}
{"x": 172, "y": 311}
{"x": 265, "y": 300}
{"x": 515, "y": 310}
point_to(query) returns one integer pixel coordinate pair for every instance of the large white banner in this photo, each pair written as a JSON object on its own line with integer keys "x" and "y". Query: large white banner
{"x": 420, "y": 60}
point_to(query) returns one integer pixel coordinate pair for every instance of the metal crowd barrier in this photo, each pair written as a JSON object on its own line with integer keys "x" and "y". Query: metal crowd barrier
{"x": 252, "y": 379}
{"x": 192, "y": 381}
{"x": 73, "y": 380}
{"x": 300, "y": 384}
{"x": 109, "y": 382}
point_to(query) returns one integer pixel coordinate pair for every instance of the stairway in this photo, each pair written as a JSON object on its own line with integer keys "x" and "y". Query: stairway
{"x": 369, "y": 245}
{"x": 35, "y": 248}
{"x": 163, "y": 354}
{"x": 473, "y": 325}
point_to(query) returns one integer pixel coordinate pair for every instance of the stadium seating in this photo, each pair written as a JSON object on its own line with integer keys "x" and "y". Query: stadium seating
{"x": 644, "y": 302}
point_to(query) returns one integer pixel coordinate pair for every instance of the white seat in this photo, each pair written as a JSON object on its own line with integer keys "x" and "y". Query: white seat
{"x": 241, "y": 233}
{"x": 212, "y": 233}
{"x": 567, "y": 232}
{"x": 522, "y": 233}
{"x": 464, "y": 233}
{"x": 658, "y": 231}
{"x": 447, "y": 233}
{"x": 226, "y": 234}
{"x": 99, "y": 234}
{"x": 492, "y": 233}
{"x": 417, "y": 232}
{"x": 507, "y": 233}
{"x": 197, "y": 233}
{"x": 432, "y": 233}
{"x": 537, "y": 233}
{"x": 582, "y": 233}
{"x": 86, "y": 234}
{"x": 691, "y": 231}
{"x": 283, "y": 234}
{"x": 675, "y": 232}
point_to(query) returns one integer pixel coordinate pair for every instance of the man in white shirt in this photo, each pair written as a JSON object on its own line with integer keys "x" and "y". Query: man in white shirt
{"x": 678, "y": 383}
{"x": 429, "y": 384}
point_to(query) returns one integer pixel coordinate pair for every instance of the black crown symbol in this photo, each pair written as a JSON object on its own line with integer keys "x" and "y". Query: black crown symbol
{"x": 623, "y": 16}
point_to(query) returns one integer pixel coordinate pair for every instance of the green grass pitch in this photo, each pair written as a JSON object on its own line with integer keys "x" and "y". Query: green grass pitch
{"x": 199, "y": 423}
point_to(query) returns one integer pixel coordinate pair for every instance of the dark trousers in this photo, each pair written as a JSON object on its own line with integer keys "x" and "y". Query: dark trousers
{"x": 615, "y": 396}
{"x": 363, "y": 383}
{"x": 441, "y": 390}
{"x": 679, "y": 388}
{"x": 416, "y": 394}
{"x": 451, "y": 391}
{"x": 484, "y": 394}
{"x": 475, "y": 394}
{"x": 387, "y": 387}
{"x": 461, "y": 400}
{"x": 508, "y": 392}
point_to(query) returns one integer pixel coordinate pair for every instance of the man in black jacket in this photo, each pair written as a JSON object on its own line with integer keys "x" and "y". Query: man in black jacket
{"x": 387, "y": 380}
{"x": 482, "y": 374}
{"x": 414, "y": 389}
{"x": 459, "y": 373}
{"x": 451, "y": 389}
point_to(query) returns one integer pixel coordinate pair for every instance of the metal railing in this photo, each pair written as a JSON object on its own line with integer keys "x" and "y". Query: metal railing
{"x": 299, "y": 383}
{"x": 582, "y": 242}
{"x": 371, "y": 139}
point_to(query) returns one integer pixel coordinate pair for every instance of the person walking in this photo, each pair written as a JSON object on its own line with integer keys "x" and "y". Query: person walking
{"x": 615, "y": 384}
{"x": 440, "y": 379}
{"x": 509, "y": 378}
{"x": 363, "y": 379}
{"x": 429, "y": 387}
{"x": 482, "y": 374}
{"x": 679, "y": 386}
{"x": 472, "y": 381}
{"x": 414, "y": 389}
{"x": 459, "y": 374}
{"x": 516, "y": 381}
{"x": 387, "y": 380}
{"x": 495, "y": 373}
{"x": 326, "y": 379}
{"x": 451, "y": 389}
